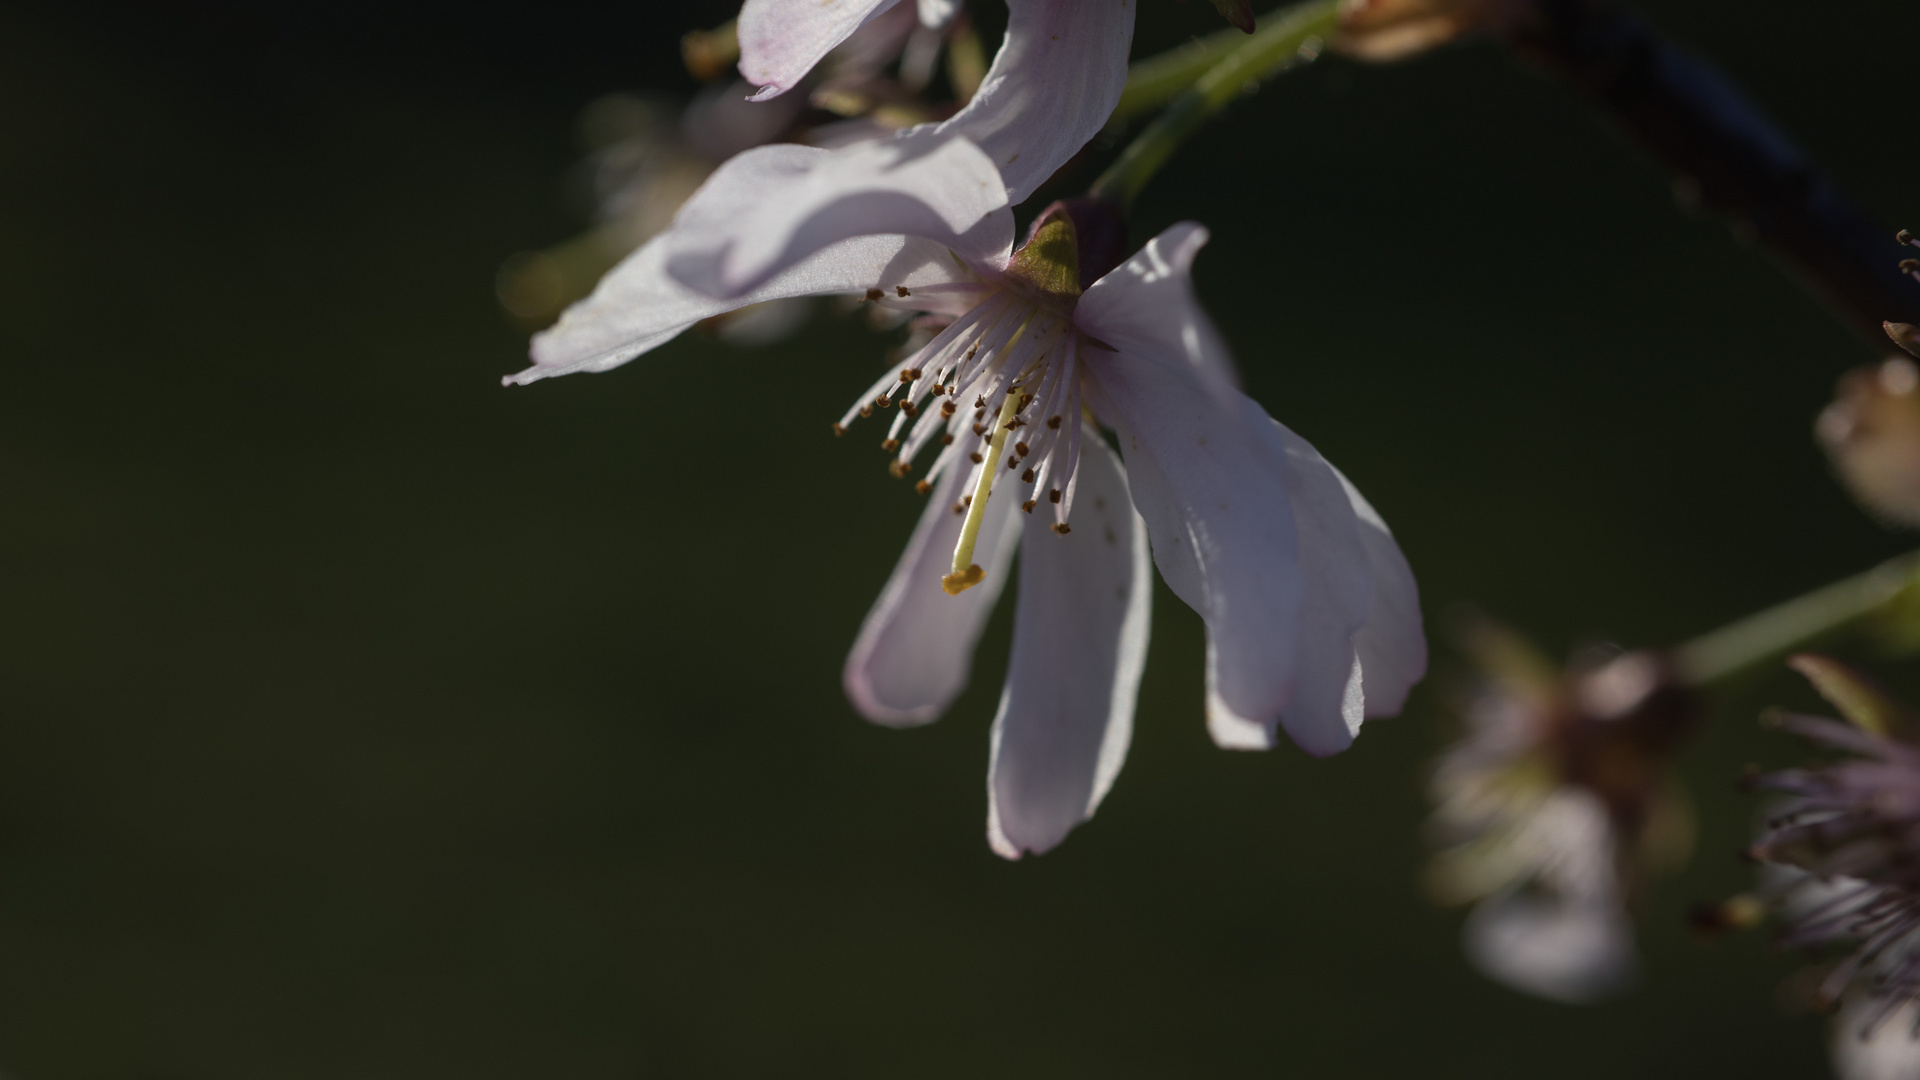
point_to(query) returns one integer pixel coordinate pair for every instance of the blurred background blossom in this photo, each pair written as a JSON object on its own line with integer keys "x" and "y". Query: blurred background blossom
{"x": 1840, "y": 847}
{"x": 1871, "y": 432}
{"x": 1555, "y": 808}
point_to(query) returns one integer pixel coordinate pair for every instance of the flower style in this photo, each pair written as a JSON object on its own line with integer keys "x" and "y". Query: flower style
{"x": 1051, "y": 87}
{"x": 1553, "y": 809}
{"x": 1845, "y": 854}
{"x": 1312, "y": 614}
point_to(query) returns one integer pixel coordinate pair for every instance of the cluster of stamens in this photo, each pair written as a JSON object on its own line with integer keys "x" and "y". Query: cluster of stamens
{"x": 999, "y": 385}
{"x": 1853, "y": 827}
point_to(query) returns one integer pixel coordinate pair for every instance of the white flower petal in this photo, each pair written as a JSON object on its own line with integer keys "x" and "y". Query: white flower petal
{"x": 781, "y": 40}
{"x": 935, "y": 14}
{"x": 1327, "y": 706}
{"x": 1146, "y": 306}
{"x": 1555, "y": 948}
{"x": 776, "y": 206}
{"x": 1079, "y": 644}
{"x": 915, "y": 649}
{"x": 1392, "y": 647}
{"x": 638, "y": 307}
{"x": 1560, "y": 932}
{"x": 1213, "y": 491}
{"x": 1052, "y": 87}
{"x": 1890, "y": 1052}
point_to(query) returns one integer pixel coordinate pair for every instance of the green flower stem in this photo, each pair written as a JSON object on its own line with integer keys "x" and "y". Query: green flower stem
{"x": 1795, "y": 624}
{"x": 1157, "y": 80}
{"x": 1260, "y": 55}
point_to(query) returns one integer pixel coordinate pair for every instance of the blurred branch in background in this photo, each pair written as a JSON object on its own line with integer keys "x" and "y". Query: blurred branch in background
{"x": 1889, "y": 593}
{"x": 1725, "y": 153}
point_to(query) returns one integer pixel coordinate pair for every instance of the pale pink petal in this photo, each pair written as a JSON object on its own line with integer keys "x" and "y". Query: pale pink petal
{"x": 872, "y": 48}
{"x": 1889, "y": 1050}
{"x": 915, "y": 650}
{"x": 1051, "y": 88}
{"x": 1392, "y": 647}
{"x": 1079, "y": 644}
{"x": 1562, "y": 933}
{"x": 781, "y": 40}
{"x": 774, "y": 207}
{"x": 1552, "y": 947}
{"x": 1326, "y": 708}
{"x": 638, "y": 307}
{"x": 1213, "y": 491}
{"x": 1147, "y": 306}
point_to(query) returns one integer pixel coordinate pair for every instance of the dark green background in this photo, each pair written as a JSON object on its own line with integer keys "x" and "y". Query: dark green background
{"x": 362, "y": 719}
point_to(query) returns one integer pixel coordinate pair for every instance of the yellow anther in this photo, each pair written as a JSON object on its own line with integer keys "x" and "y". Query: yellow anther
{"x": 961, "y": 580}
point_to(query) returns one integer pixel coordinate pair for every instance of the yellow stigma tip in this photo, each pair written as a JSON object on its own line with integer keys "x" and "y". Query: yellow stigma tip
{"x": 955, "y": 584}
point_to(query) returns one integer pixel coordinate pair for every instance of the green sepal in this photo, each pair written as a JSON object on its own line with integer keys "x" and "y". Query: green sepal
{"x": 1859, "y": 701}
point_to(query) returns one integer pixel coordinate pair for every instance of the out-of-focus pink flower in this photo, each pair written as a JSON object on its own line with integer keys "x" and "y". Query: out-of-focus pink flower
{"x": 1869, "y": 1046}
{"x": 1554, "y": 808}
{"x": 1872, "y": 434}
{"x": 1844, "y": 849}
{"x": 1312, "y": 614}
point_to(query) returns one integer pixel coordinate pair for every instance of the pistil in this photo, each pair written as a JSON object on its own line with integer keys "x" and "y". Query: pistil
{"x": 967, "y": 573}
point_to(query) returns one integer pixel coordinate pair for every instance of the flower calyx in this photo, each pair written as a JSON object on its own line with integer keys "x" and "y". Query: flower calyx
{"x": 1049, "y": 262}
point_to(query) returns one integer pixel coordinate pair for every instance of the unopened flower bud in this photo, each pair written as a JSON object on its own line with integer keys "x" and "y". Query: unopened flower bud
{"x": 1905, "y": 335}
{"x": 1383, "y": 31}
{"x": 1872, "y": 434}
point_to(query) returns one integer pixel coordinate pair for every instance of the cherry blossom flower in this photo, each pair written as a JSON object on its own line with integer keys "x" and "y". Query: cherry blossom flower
{"x": 1553, "y": 810}
{"x": 1312, "y": 613}
{"x": 1051, "y": 88}
{"x": 1843, "y": 859}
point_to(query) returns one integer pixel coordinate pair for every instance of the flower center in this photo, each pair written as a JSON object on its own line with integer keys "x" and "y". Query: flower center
{"x": 1000, "y": 384}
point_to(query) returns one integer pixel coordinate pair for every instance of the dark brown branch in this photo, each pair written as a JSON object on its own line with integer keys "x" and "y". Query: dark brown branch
{"x": 1721, "y": 147}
